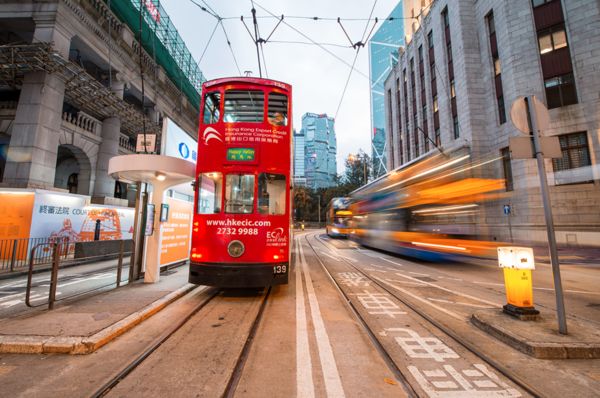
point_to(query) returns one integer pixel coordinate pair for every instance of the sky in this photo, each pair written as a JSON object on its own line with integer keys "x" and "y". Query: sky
{"x": 317, "y": 77}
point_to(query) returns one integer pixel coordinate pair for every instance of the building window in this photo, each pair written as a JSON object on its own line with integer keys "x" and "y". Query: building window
{"x": 501, "y": 109}
{"x": 497, "y": 68}
{"x": 575, "y": 152}
{"x": 507, "y": 168}
{"x": 455, "y": 127}
{"x": 445, "y": 18}
{"x": 438, "y": 141}
{"x": 435, "y": 104}
{"x": 537, "y": 3}
{"x": 430, "y": 39}
{"x": 452, "y": 89}
{"x": 560, "y": 91}
{"x": 449, "y": 52}
{"x": 552, "y": 39}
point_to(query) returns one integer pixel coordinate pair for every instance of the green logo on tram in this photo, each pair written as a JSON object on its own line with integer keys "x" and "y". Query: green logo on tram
{"x": 240, "y": 154}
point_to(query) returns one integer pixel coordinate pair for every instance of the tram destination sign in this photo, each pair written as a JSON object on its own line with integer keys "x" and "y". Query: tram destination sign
{"x": 241, "y": 154}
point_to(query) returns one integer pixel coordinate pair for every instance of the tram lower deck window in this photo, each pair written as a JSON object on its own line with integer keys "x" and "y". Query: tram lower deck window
{"x": 209, "y": 196}
{"x": 239, "y": 193}
{"x": 271, "y": 194}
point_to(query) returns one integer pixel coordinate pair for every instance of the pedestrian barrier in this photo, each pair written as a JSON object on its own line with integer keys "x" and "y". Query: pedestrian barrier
{"x": 15, "y": 254}
{"x": 54, "y": 255}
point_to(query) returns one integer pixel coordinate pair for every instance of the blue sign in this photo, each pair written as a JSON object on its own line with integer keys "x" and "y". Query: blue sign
{"x": 507, "y": 209}
{"x": 184, "y": 151}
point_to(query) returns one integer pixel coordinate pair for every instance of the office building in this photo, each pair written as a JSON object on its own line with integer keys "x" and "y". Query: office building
{"x": 320, "y": 165}
{"x": 383, "y": 55}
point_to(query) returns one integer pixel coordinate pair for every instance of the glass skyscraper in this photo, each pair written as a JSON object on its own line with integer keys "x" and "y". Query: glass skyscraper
{"x": 320, "y": 165}
{"x": 383, "y": 54}
{"x": 299, "y": 158}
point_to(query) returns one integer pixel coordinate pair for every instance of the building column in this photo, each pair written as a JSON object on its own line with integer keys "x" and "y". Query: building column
{"x": 109, "y": 147}
{"x": 31, "y": 157}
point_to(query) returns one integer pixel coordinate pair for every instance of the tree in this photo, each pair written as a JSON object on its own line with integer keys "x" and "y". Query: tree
{"x": 302, "y": 200}
{"x": 358, "y": 169}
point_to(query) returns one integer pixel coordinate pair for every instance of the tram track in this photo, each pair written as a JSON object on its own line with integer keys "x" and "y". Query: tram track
{"x": 404, "y": 376}
{"x": 211, "y": 295}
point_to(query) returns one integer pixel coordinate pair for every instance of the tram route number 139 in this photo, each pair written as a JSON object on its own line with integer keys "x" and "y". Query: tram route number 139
{"x": 280, "y": 269}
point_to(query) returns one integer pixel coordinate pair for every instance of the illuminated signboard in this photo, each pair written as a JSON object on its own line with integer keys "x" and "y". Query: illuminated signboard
{"x": 240, "y": 154}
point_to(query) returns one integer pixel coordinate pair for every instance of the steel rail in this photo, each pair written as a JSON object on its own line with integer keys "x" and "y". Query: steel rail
{"x": 444, "y": 329}
{"x": 105, "y": 389}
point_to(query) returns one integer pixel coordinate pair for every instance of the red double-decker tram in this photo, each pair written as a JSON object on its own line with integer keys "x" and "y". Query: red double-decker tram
{"x": 241, "y": 230}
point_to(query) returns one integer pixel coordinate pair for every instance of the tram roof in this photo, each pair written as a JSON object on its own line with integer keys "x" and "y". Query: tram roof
{"x": 248, "y": 80}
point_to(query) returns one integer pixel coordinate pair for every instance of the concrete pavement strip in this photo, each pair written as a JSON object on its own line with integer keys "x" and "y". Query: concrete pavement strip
{"x": 540, "y": 338}
{"x": 23, "y": 344}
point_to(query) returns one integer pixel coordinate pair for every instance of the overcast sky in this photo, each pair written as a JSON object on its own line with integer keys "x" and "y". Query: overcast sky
{"x": 317, "y": 77}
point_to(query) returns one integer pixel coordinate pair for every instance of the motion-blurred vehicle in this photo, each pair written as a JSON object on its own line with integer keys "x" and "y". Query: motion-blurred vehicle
{"x": 338, "y": 218}
{"x": 430, "y": 209}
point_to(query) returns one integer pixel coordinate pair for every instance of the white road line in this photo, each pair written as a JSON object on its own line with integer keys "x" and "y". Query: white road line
{"x": 393, "y": 262}
{"x": 445, "y": 311}
{"x": 457, "y": 303}
{"x": 11, "y": 296}
{"x": 333, "y": 383}
{"x": 449, "y": 290}
{"x": 417, "y": 273}
{"x": 330, "y": 256}
{"x": 304, "y": 381}
{"x": 548, "y": 289}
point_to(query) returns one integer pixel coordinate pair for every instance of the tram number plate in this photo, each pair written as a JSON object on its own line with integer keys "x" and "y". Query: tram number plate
{"x": 280, "y": 269}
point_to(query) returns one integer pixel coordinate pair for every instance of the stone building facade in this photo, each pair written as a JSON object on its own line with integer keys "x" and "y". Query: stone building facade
{"x": 465, "y": 63}
{"x": 71, "y": 96}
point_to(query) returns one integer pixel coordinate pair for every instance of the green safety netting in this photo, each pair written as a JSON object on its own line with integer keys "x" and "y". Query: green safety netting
{"x": 161, "y": 40}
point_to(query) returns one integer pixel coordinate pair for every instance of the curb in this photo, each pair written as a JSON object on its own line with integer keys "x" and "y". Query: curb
{"x": 78, "y": 345}
{"x": 540, "y": 350}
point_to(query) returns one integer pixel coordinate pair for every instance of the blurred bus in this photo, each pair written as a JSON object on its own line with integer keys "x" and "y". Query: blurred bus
{"x": 338, "y": 218}
{"x": 430, "y": 209}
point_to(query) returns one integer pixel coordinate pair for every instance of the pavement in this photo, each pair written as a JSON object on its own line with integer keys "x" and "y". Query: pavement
{"x": 84, "y": 325}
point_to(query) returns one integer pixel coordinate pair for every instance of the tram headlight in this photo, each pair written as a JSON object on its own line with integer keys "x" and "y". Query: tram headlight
{"x": 235, "y": 248}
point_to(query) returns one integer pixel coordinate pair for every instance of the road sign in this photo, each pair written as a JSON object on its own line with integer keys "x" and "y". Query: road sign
{"x": 522, "y": 147}
{"x": 518, "y": 115}
{"x": 146, "y": 143}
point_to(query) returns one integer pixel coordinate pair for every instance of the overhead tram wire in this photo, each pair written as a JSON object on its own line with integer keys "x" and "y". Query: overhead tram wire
{"x": 209, "y": 40}
{"x": 208, "y": 9}
{"x": 322, "y": 47}
{"x": 358, "y": 45}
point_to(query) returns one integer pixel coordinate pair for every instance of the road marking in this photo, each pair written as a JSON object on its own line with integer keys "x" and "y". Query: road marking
{"x": 417, "y": 346}
{"x": 410, "y": 283}
{"x": 548, "y": 289}
{"x": 330, "y": 256}
{"x": 450, "y": 383}
{"x": 452, "y": 314}
{"x": 304, "y": 381}
{"x": 333, "y": 383}
{"x": 450, "y": 290}
{"x": 417, "y": 273}
{"x": 455, "y": 302}
{"x": 353, "y": 279}
{"x": 378, "y": 304}
{"x": 393, "y": 262}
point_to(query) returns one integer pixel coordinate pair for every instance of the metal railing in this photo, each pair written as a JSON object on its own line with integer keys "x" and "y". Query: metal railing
{"x": 16, "y": 254}
{"x": 54, "y": 252}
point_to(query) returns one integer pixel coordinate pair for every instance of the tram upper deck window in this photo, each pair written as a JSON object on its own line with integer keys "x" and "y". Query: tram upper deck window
{"x": 271, "y": 194}
{"x": 209, "y": 197}
{"x": 212, "y": 106}
{"x": 244, "y": 106}
{"x": 278, "y": 107}
{"x": 239, "y": 193}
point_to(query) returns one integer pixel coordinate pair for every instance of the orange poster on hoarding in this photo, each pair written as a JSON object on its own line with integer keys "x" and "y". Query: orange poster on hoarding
{"x": 175, "y": 243}
{"x": 15, "y": 219}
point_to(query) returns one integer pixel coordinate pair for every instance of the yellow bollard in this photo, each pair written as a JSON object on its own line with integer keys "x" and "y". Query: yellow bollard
{"x": 517, "y": 263}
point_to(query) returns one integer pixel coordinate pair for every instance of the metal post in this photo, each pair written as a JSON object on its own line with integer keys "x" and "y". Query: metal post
{"x": 53, "y": 275}
{"x": 560, "y": 303}
{"x": 319, "y": 196}
{"x": 13, "y": 257}
{"x": 30, "y": 276}
{"x": 120, "y": 263}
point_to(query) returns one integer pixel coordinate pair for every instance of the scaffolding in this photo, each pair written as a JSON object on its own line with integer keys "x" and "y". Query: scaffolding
{"x": 161, "y": 40}
{"x": 81, "y": 89}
